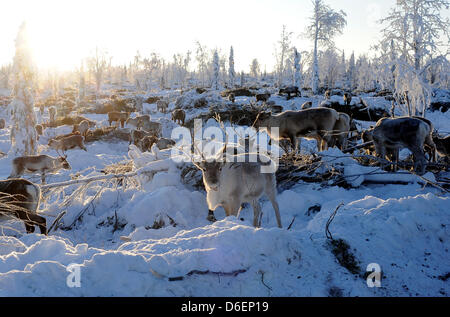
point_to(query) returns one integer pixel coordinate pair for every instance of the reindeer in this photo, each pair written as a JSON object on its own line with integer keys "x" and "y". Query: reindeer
{"x": 2, "y": 123}
{"x": 39, "y": 130}
{"x": 138, "y": 122}
{"x": 162, "y": 143}
{"x": 154, "y": 128}
{"x": 393, "y": 134}
{"x": 52, "y": 114}
{"x": 327, "y": 94}
{"x": 67, "y": 143}
{"x": 179, "y": 115}
{"x": 118, "y": 116}
{"x": 442, "y": 145}
{"x": 136, "y": 136}
{"x": 306, "y": 105}
{"x": 230, "y": 184}
{"x": 340, "y": 131}
{"x": 262, "y": 97}
{"x": 162, "y": 105}
{"x": 38, "y": 163}
{"x": 315, "y": 123}
{"x": 20, "y": 198}
{"x": 347, "y": 98}
{"x": 231, "y": 97}
{"x": 290, "y": 90}
{"x": 83, "y": 127}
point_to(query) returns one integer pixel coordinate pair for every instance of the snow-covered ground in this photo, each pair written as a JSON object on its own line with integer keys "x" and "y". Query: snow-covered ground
{"x": 405, "y": 229}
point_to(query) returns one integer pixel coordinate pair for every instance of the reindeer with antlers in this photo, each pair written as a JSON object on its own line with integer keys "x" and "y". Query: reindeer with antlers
{"x": 232, "y": 178}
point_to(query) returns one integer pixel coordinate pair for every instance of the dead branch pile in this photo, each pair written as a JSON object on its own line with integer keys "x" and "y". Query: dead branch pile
{"x": 118, "y": 168}
{"x": 307, "y": 168}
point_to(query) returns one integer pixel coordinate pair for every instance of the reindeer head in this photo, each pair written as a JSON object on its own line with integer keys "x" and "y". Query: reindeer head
{"x": 262, "y": 119}
{"x": 62, "y": 160}
{"x": 211, "y": 173}
{"x": 211, "y": 169}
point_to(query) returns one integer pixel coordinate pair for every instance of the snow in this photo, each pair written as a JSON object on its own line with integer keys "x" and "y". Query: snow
{"x": 402, "y": 227}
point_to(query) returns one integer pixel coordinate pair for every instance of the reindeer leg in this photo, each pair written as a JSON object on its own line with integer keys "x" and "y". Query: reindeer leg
{"x": 211, "y": 216}
{"x": 271, "y": 193}
{"x": 257, "y": 214}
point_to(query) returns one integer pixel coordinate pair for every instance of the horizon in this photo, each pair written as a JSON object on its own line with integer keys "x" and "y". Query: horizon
{"x": 59, "y": 41}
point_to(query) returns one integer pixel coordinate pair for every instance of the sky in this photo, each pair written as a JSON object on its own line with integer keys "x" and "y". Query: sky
{"x": 62, "y": 32}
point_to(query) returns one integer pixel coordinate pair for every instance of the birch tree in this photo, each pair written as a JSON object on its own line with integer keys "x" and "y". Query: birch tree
{"x": 415, "y": 28}
{"x": 325, "y": 25}
{"x": 281, "y": 52}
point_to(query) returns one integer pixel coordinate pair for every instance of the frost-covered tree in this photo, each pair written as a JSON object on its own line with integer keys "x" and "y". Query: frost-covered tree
{"x": 281, "y": 54}
{"x": 23, "y": 133}
{"x": 342, "y": 71}
{"x": 325, "y": 25}
{"x": 297, "y": 71}
{"x": 98, "y": 64}
{"x": 216, "y": 69}
{"x": 81, "y": 85}
{"x": 415, "y": 27}
{"x": 231, "y": 71}
{"x": 202, "y": 62}
{"x": 255, "y": 68}
{"x": 5, "y": 74}
{"x": 329, "y": 70}
{"x": 351, "y": 72}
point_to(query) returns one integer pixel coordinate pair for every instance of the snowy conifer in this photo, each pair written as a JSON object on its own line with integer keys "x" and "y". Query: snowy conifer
{"x": 297, "y": 74}
{"x": 231, "y": 71}
{"x": 216, "y": 69}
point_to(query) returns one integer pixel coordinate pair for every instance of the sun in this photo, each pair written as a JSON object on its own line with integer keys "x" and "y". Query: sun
{"x": 55, "y": 46}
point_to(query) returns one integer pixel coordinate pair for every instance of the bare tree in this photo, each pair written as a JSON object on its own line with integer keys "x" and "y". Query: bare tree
{"x": 97, "y": 65}
{"x": 281, "y": 52}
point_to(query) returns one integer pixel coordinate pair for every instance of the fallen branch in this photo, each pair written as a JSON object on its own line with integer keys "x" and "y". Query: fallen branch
{"x": 197, "y": 272}
{"x": 55, "y": 222}
{"x": 88, "y": 180}
{"x": 327, "y": 231}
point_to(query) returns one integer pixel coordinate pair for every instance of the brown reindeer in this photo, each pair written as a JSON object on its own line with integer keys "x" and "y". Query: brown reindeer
{"x": 315, "y": 123}
{"x": 121, "y": 117}
{"x": 20, "y": 198}
{"x": 179, "y": 115}
{"x": 394, "y": 134}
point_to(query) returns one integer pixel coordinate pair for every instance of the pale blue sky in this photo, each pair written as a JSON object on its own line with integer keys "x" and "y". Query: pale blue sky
{"x": 64, "y": 31}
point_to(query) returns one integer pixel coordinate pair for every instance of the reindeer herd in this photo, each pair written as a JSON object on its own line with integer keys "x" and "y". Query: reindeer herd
{"x": 230, "y": 183}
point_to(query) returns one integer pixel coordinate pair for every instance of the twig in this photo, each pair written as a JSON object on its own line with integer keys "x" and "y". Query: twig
{"x": 262, "y": 280}
{"x": 327, "y": 231}
{"x": 198, "y": 272}
{"x": 290, "y": 225}
{"x": 55, "y": 222}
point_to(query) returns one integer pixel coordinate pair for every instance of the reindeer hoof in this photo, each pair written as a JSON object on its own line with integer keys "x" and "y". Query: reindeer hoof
{"x": 211, "y": 218}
